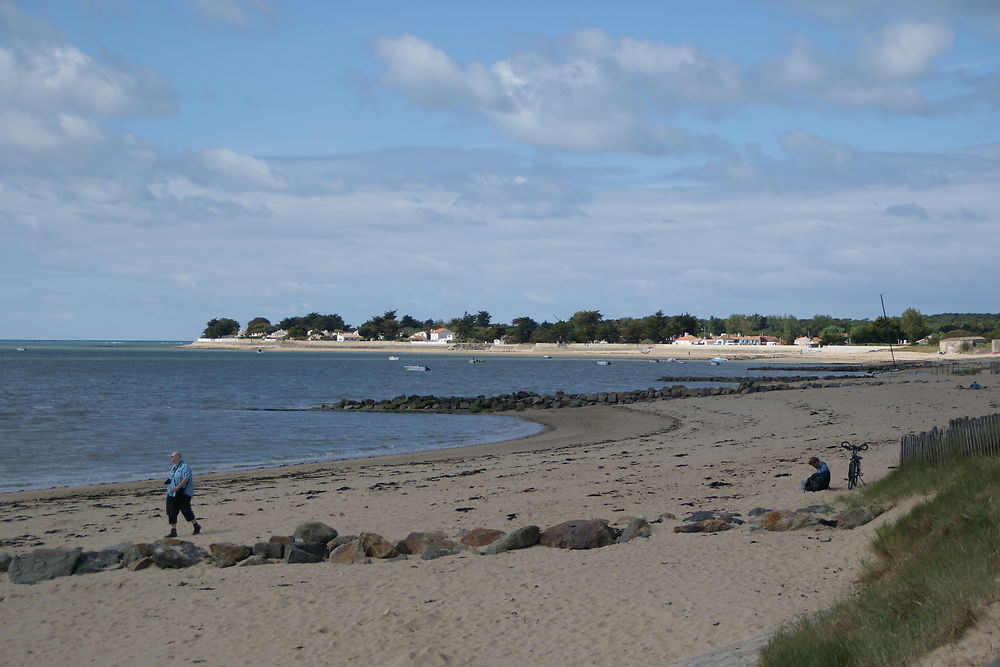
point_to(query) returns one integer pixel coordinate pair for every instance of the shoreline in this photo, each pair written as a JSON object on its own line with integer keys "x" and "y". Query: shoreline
{"x": 860, "y": 354}
{"x": 657, "y": 600}
{"x": 561, "y": 428}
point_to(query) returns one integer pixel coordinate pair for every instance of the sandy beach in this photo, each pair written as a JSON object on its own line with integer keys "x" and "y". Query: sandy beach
{"x": 855, "y": 354}
{"x": 664, "y": 599}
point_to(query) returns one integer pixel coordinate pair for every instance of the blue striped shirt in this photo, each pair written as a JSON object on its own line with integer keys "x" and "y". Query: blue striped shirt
{"x": 178, "y": 473}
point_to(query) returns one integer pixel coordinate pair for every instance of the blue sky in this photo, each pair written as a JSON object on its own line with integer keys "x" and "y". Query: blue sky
{"x": 166, "y": 162}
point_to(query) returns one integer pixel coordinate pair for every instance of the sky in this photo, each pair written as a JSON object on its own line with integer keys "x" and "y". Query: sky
{"x": 166, "y": 162}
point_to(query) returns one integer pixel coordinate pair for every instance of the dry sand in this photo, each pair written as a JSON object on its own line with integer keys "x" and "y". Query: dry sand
{"x": 664, "y": 599}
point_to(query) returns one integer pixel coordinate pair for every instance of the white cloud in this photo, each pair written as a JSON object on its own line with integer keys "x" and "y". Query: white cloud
{"x": 905, "y": 51}
{"x": 238, "y": 168}
{"x": 581, "y": 101}
{"x": 44, "y": 77}
{"x": 591, "y": 92}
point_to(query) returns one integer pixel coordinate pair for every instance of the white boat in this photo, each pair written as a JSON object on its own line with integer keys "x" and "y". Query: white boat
{"x": 475, "y": 361}
{"x": 416, "y": 368}
{"x": 546, "y": 356}
{"x": 715, "y": 361}
{"x": 603, "y": 362}
{"x": 671, "y": 359}
{"x": 653, "y": 361}
{"x": 393, "y": 358}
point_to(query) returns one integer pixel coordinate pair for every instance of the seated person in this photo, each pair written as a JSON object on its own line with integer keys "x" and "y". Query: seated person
{"x": 820, "y": 479}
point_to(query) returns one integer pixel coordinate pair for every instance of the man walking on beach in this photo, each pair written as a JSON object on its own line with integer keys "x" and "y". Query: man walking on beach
{"x": 180, "y": 489}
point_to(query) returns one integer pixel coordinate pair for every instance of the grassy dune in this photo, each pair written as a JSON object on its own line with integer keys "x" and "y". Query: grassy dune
{"x": 930, "y": 572}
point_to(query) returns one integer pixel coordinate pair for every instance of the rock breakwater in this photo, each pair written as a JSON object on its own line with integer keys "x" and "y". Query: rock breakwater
{"x": 523, "y": 400}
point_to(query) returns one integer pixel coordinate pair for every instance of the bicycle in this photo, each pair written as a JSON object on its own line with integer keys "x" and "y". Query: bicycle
{"x": 854, "y": 466}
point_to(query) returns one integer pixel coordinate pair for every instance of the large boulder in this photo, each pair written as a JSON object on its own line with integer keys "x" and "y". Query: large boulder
{"x": 134, "y": 552}
{"x": 172, "y": 553}
{"x": 578, "y": 534}
{"x": 98, "y": 561}
{"x": 227, "y": 554}
{"x": 305, "y": 552}
{"x": 439, "y": 549}
{"x": 269, "y": 550}
{"x": 377, "y": 546}
{"x": 42, "y": 564}
{"x": 519, "y": 539}
{"x": 480, "y": 537}
{"x": 5, "y": 560}
{"x": 314, "y": 531}
{"x": 349, "y": 554}
{"x": 416, "y": 542}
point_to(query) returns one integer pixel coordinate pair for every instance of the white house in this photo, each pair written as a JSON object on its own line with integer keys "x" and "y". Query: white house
{"x": 688, "y": 339}
{"x": 442, "y": 336}
{"x": 347, "y": 335}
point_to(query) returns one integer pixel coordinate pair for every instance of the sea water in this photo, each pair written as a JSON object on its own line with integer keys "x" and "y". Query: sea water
{"x": 85, "y": 412}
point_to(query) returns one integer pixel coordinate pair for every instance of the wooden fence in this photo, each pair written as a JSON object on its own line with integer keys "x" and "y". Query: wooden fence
{"x": 964, "y": 437}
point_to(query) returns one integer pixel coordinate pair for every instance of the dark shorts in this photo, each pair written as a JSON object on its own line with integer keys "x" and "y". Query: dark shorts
{"x": 179, "y": 503}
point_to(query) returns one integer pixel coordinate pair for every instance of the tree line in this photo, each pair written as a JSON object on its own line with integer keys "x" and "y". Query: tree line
{"x": 587, "y": 326}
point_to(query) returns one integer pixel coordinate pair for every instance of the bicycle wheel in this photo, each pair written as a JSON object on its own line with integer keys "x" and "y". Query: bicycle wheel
{"x": 852, "y": 474}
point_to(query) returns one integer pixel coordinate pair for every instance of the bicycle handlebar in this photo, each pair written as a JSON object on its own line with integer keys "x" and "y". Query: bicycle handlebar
{"x": 854, "y": 448}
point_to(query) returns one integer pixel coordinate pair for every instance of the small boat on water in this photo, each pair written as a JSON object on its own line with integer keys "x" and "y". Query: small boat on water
{"x": 393, "y": 358}
{"x": 416, "y": 368}
{"x": 474, "y": 360}
{"x": 653, "y": 361}
{"x": 22, "y": 349}
{"x": 603, "y": 362}
{"x": 671, "y": 359}
{"x": 546, "y": 356}
{"x": 715, "y": 361}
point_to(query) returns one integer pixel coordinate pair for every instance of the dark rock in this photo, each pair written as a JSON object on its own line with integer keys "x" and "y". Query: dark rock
{"x": 227, "y": 554}
{"x": 439, "y": 549}
{"x": 281, "y": 539}
{"x": 5, "y": 560}
{"x": 294, "y": 554}
{"x": 417, "y": 542}
{"x": 173, "y": 553}
{"x": 136, "y": 551}
{"x": 377, "y": 546}
{"x": 305, "y": 552}
{"x": 579, "y": 534}
{"x": 42, "y": 564}
{"x": 269, "y": 550}
{"x": 97, "y": 561}
{"x": 314, "y": 531}
{"x": 519, "y": 539}
{"x": 637, "y": 527}
{"x": 349, "y": 554}
{"x": 480, "y": 537}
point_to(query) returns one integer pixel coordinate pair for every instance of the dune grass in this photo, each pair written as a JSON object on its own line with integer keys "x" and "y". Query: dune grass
{"x": 930, "y": 572}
